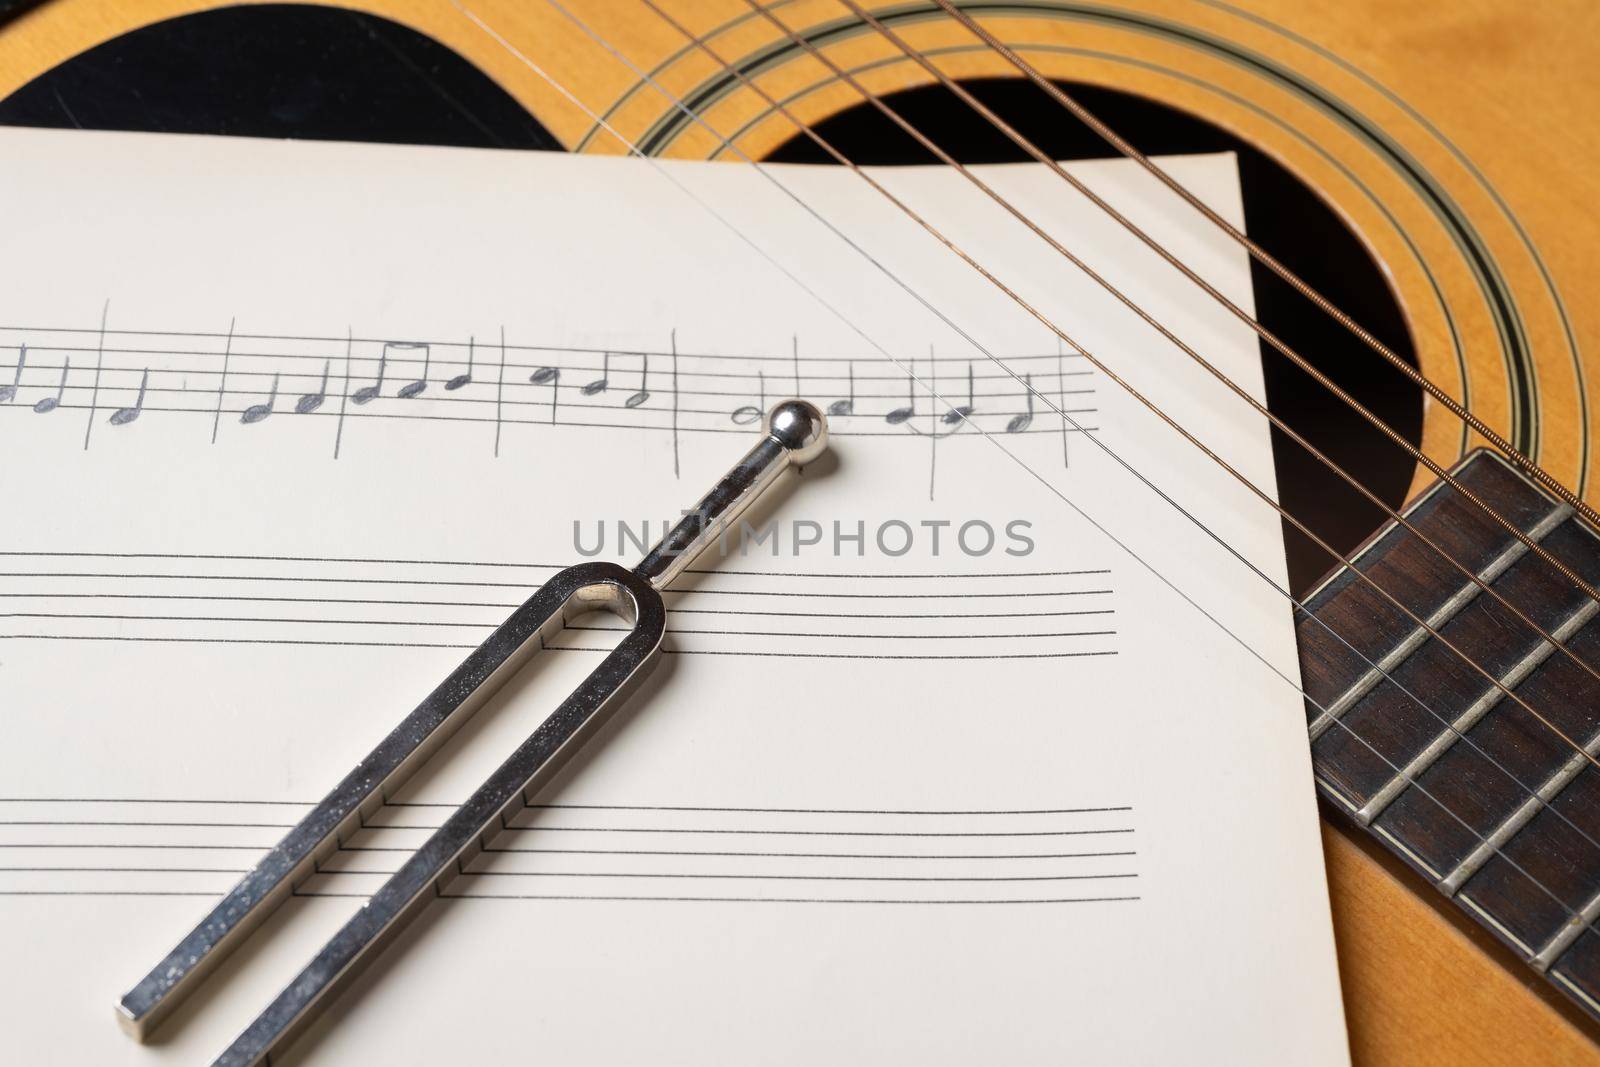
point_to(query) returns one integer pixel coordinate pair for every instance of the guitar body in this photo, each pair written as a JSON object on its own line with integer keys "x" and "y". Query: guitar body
{"x": 1448, "y": 142}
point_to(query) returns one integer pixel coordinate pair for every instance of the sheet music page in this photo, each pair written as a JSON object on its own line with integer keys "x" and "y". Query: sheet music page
{"x": 971, "y": 747}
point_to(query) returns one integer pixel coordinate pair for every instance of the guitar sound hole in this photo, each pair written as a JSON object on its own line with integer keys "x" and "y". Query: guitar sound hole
{"x": 1282, "y": 215}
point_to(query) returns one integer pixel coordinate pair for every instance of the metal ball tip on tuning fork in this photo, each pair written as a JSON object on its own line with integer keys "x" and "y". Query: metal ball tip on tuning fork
{"x": 793, "y": 433}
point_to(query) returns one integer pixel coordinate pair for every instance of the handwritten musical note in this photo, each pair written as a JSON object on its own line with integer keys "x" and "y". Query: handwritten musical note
{"x": 344, "y": 393}
{"x": 463, "y": 379}
{"x": 602, "y": 383}
{"x": 962, "y": 411}
{"x": 258, "y": 412}
{"x": 550, "y": 376}
{"x": 9, "y": 392}
{"x": 846, "y": 406}
{"x": 368, "y": 392}
{"x": 499, "y": 392}
{"x": 312, "y": 401}
{"x": 752, "y": 413}
{"x": 123, "y": 416}
{"x": 48, "y": 404}
{"x": 644, "y": 384}
{"x": 222, "y": 382}
{"x": 903, "y": 414}
{"x": 1021, "y": 422}
{"x": 418, "y": 387}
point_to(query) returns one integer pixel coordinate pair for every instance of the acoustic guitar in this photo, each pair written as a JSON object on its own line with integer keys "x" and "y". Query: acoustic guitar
{"x": 1419, "y": 203}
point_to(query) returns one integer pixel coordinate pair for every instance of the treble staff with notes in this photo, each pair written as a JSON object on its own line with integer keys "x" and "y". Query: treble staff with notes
{"x": 129, "y": 373}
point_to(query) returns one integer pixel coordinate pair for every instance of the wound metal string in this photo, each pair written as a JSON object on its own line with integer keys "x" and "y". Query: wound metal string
{"x": 1127, "y": 387}
{"x": 1266, "y": 259}
{"x": 1187, "y": 349}
{"x": 1400, "y": 772}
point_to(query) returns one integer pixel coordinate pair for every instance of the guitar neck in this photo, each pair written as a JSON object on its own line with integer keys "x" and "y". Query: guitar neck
{"x": 1467, "y": 745}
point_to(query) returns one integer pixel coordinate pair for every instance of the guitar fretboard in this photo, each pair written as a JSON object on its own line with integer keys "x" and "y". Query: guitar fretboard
{"x": 1461, "y": 768}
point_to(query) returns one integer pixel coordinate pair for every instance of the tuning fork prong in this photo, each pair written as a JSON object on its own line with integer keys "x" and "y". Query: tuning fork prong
{"x": 794, "y": 433}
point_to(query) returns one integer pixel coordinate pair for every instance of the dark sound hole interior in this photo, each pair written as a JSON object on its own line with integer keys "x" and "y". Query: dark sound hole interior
{"x": 280, "y": 70}
{"x": 1283, "y": 216}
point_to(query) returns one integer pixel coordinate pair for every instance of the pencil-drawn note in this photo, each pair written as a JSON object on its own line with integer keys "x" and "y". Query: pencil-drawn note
{"x": 45, "y": 405}
{"x": 752, "y": 413}
{"x": 344, "y": 391}
{"x": 499, "y": 392}
{"x": 846, "y": 405}
{"x": 420, "y": 386}
{"x": 464, "y": 378}
{"x": 99, "y": 365}
{"x": 1022, "y": 421}
{"x": 602, "y": 383}
{"x": 550, "y": 376}
{"x": 367, "y": 393}
{"x": 123, "y": 416}
{"x": 312, "y": 401}
{"x": 9, "y": 392}
{"x": 905, "y": 414}
{"x": 259, "y": 412}
{"x": 643, "y": 393}
{"x": 222, "y": 382}
{"x": 962, "y": 412}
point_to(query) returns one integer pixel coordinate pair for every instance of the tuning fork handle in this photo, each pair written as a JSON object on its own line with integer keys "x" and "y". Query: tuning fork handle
{"x": 794, "y": 432}
{"x": 587, "y": 586}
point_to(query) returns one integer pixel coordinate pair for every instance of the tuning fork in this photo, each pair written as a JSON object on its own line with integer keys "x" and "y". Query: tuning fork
{"x": 794, "y": 432}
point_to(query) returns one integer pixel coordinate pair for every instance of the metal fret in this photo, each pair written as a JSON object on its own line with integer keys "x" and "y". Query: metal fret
{"x": 1487, "y": 780}
{"x": 1509, "y": 827}
{"x": 1386, "y": 665}
{"x": 1470, "y": 718}
{"x": 1552, "y": 949}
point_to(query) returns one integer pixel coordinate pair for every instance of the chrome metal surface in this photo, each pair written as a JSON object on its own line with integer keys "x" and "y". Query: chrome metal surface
{"x": 794, "y": 433}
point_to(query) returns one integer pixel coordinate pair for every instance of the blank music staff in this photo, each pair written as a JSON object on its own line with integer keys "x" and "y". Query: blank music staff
{"x": 253, "y": 383}
{"x": 255, "y": 600}
{"x": 594, "y": 852}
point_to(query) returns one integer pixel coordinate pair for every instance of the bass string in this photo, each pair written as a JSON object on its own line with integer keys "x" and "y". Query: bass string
{"x": 1143, "y": 400}
{"x": 1449, "y": 726}
{"x": 1266, "y": 259}
{"x": 699, "y": 120}
{"x": 1187, "y": 349}
{"x": 1000, "y": 124}
{"x": 633, "y": 149}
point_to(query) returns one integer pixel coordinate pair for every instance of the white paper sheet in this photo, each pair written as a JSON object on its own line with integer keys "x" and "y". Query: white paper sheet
{"x": 937, "y": 806}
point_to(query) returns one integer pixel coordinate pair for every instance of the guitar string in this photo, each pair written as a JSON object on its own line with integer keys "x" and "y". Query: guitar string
{"x": 1519, "y": 460}
{"x": 681, "y": 105}
{"x": 1040, "y": 156}
{"x": 1146, "y": 402}
{"x": 1399, "y": 771}
{"x": 1189, "y": 351}
{"x": 1265, "y": 258}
